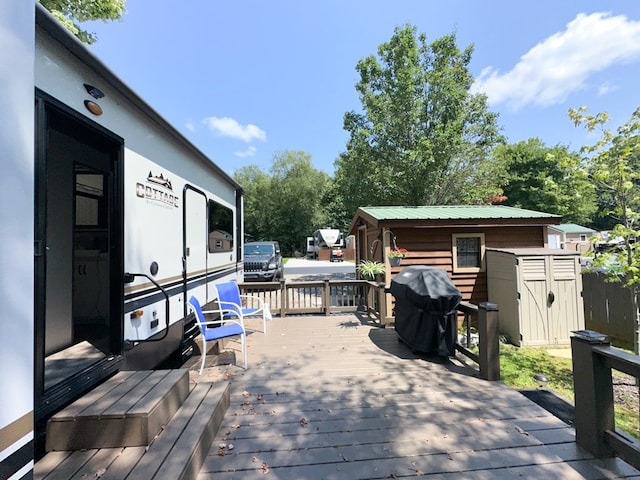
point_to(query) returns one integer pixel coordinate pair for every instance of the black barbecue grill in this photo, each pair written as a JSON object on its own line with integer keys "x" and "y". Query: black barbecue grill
{"x": 425, "y": 315}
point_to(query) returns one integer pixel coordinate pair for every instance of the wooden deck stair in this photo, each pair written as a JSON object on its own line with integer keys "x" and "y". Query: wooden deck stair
{"x": 137, "y": 425}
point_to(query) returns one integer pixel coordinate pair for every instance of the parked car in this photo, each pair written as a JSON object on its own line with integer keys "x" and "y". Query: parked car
{"x": 262, "y": 262}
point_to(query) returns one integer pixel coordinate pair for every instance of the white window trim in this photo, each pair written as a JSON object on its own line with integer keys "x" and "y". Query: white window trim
{"x": 454, "y": 250}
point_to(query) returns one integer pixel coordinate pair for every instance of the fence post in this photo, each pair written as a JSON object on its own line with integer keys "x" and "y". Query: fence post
{"x": 593, "y": 394}
{"x": 326, "y": 297}
{"x": 489, "y": 351}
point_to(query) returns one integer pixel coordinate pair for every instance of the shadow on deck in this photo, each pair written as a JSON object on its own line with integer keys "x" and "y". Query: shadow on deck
{"x": 338, "y": 397}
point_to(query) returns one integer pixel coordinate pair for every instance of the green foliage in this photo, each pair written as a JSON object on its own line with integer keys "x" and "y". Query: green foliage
{"x": 370, "y": 269}
{"x": 72, "y": 12}
{"x": 422, "y": 138}
{"x": 547, "y": 179}
{"x": 615, "y": 159}
{"x": 286, "y": 204}
{"x": 615, "y": 164}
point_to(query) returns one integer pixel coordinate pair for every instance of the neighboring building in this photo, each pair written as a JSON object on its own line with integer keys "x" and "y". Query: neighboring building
{"x": 453, "y": 238}
{"x": 570, "y": 236}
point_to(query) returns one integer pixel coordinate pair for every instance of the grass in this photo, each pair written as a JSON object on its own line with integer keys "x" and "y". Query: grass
{"x": 519, "y": 365}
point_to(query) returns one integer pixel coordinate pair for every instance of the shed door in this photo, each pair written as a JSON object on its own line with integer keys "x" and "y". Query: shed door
{"x": 550, "y": 299}
{"x": 565, "y": 311}
{"x": 534, "y": 318}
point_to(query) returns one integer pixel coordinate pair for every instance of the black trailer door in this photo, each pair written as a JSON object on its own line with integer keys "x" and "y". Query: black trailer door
{"x": 78, "y": 254}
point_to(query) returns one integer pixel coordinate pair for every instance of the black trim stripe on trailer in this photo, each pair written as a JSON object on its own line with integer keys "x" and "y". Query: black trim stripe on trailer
{"x": 143, "y": 299}
{"x": 17, "y": 461}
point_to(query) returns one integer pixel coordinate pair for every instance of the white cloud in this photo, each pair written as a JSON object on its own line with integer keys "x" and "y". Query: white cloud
{"x": 561, "y": 64}
{"x": 228, "y": 127}
{"x": 249, "y": 152}
{"x": 606, "y": 87}
{"x": 189, "y": 125}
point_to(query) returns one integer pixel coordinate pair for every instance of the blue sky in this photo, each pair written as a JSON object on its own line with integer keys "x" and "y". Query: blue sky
{"x": 245, "y": 79}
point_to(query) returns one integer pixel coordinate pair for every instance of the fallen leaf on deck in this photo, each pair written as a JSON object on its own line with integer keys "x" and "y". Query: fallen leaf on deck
{"x": 520, "y": 430}
{"x": 265, "y": 468}
{"x": 304, "y": 422}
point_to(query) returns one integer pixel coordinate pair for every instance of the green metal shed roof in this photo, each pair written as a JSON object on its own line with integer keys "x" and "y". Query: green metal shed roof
{"x": 572, "y": 228}
{"x": 453, "y": 212}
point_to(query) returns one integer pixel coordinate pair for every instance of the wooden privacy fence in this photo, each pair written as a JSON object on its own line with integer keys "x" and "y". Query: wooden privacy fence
{"x": 608, "y": 307}
{"x": 336, "y": 296}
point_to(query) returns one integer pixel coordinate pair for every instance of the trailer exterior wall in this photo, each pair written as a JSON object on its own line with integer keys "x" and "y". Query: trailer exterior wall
{"x": 129, "y": 234}
{"x": 16, "y": 238}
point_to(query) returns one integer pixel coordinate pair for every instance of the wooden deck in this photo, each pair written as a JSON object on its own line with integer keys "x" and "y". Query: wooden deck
{"x": 336, "y": 398}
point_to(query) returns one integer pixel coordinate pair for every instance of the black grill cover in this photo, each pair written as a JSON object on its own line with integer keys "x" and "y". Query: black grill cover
{"x": 425, "y": 316}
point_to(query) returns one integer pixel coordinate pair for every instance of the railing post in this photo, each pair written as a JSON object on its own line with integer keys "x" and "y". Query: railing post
{"x": 593, "y": 393}
{"x": 283, "y": 298}
{"x": 489, "y": 339}
{"x": 326, "y": 297}
{"x": 382, "y": 303}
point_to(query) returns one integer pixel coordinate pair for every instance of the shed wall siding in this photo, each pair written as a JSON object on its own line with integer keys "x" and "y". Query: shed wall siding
{"x": 433, "y": 247}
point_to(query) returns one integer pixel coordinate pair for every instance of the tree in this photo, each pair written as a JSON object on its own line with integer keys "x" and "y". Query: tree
{"x": 286, "y": 204}
{"x": 258, "y": 219}
{"x": 547, "y": 179}
{"x": 72, "y": 12}
{"x": 614, "y": 165}
{"x": 422, "y": 138}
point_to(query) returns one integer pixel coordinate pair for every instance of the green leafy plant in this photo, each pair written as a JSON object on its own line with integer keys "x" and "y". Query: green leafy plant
{"x": 370, "y": 269}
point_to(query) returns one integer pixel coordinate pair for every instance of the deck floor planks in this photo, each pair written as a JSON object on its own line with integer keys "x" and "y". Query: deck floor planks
{"x": 330, "y": 397}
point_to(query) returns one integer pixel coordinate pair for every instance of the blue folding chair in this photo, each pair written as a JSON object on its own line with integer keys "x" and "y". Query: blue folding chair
{"x": 230, "y": 301}
{"x": 214, "y": 330}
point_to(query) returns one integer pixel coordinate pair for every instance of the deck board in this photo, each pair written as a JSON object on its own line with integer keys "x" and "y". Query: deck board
{"x": 334, "y": 397}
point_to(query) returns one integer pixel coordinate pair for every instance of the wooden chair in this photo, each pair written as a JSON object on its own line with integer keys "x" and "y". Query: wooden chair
{"x": 213, "y": 330}
{"x": 230, "y": 301}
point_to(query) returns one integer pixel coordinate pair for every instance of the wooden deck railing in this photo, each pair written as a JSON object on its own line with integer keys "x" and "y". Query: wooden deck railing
{"x": 596, "y": 432}
{"x": 320, "y": 296}
{"x": 335, "y": 296}
{"x": 485, "y": 317}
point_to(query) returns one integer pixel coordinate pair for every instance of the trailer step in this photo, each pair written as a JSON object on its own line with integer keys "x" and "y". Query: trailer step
{"x": 127, "y": 410}
{"x": 178, "y": 452}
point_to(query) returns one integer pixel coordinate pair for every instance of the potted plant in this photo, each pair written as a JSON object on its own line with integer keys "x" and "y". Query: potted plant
{"x": 396, "y": 255}
{"x": 370, "y": 269}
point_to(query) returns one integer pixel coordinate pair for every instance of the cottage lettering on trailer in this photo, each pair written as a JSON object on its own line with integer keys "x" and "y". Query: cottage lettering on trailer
{"x": 157, "y": 189}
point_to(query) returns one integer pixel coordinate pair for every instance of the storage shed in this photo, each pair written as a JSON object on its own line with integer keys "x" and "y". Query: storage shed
{"x": 539, "y": 293}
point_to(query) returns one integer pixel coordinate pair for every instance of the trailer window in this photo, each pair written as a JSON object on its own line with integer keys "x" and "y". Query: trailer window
{"x": 220, "y": 228}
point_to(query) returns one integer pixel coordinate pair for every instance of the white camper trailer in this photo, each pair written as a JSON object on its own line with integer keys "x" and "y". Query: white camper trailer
{"x": 329, "y": 239}
{"x": 130, "y": 220}
{"x": 16, "y": 238}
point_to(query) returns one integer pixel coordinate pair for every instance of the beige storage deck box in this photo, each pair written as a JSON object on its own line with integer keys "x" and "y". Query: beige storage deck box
{"x": 538, "y": 292}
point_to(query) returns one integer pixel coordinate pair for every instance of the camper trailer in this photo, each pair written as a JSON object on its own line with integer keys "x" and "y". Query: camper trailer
{"x": 327, "y": 244}
{"x": 128, "y": 219}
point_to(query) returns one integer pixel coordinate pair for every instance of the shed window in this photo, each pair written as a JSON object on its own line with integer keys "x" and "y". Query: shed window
{"x": 468, "y": 252}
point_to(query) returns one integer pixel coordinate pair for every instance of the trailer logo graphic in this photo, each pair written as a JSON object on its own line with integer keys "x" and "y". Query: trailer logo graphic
{"x": 157, "y": 189}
